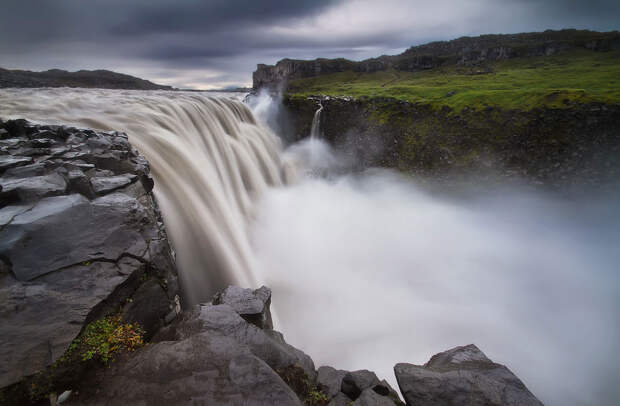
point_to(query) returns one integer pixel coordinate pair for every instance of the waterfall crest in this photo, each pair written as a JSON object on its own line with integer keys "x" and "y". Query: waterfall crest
{"x": 209, "y": 157}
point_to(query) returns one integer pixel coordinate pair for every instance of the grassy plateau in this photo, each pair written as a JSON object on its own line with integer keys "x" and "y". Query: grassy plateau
{"x": 559, "y": 81}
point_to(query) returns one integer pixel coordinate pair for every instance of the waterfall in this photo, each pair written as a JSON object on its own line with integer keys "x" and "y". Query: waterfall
{"x": 209, "y": 158}
{"x": 315, "y": 130}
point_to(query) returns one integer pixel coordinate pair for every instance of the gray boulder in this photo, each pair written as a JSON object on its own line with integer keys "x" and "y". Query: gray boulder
{"x": 68, "y": 256}
{"x": 204, "y": 369}
{"x": 252, "y": 305}
{"x": 369, "y": 397}
{"x": 340, "y": 400}
{"x": 353, "y": 383}
{"x": 212, "y": 356}
{"x": 330, "y": 380}
{"x": 267, "y": 344}
{"x": 462, "y": 375}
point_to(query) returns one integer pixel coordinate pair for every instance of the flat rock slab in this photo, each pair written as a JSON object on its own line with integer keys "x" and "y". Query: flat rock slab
{"x": 103, "y": 185}
{"x": 66, "y": 230}
{"x": 9, "y": 161}
{"x": 35, "y": 187}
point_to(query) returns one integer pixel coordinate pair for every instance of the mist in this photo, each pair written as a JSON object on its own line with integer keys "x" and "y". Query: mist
{"x": 371, "y": 269}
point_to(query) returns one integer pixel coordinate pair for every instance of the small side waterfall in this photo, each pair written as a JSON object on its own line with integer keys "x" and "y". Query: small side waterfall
{"x": 209, "y": 158}
{"x": 315, "y": 130}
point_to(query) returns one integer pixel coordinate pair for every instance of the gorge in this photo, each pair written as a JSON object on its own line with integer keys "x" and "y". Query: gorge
{"x": 366, "y": 255}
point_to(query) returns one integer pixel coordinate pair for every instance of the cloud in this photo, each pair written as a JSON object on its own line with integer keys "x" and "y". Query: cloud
{"x": 231, "y": 37}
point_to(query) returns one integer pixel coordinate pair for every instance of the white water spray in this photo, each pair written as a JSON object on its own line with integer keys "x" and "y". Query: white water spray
{"x": 209, "y": 158}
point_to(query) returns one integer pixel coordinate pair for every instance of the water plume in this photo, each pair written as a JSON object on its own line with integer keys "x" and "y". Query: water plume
{"x": 371, "y": 269}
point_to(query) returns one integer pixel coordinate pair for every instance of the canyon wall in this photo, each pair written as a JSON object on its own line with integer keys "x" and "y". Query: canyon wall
{"x": 465, "y": 51}
{"x": 558, "y": 147}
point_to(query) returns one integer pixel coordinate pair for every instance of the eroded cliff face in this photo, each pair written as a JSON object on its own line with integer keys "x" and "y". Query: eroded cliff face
{"x": 467, "y": 51}
{"x": 81, "y": 238}
{"x": 557, "y": 147}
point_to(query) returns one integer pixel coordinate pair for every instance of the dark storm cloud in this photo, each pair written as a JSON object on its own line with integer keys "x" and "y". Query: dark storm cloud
{"x": 206, "y": 43}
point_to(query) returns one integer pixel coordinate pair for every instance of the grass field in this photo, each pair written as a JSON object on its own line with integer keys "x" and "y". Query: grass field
{"x": 555, "y": 81}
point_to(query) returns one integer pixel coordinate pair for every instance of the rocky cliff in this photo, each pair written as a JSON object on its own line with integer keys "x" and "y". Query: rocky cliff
{"x": 81, "y": 239}
{"x": 556, "y": 147}
{"x": 101, "y": 79}
{"x": 462, "y": 51}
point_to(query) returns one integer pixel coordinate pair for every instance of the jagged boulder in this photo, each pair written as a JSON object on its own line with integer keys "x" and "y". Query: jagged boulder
{"x": 330, "y": 380}
{"x": 353, "y": 383}
{"x": 462, "y": 376}
{"x": 213, "y": 355}
{"x": 252, "y": 305}
{"x": 80, "y": 238}
{"x": 344, "y": 387}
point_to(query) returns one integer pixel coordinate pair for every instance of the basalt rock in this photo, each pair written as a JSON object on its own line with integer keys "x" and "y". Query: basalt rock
{"x": 81, "y": 237}
{"x": 252, "y": 305}
{"x": 462, "y": 375}
{"x": 213, "y": 355}
{"x": 464, "y": 51}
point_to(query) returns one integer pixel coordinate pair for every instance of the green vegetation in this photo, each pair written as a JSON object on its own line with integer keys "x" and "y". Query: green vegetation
{"x": 300, "y": 383}
{"x": 559, "y": 81}
{"x": 105, "y": 337}
{"x": 100, "y": 341}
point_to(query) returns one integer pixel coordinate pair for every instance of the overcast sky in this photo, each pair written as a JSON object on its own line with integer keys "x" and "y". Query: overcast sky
{"x": 213, "y": 43}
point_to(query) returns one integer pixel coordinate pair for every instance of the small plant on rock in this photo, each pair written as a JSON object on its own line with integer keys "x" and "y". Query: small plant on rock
{"x": 302, "y": 385}
{"x": 103, "y": 338}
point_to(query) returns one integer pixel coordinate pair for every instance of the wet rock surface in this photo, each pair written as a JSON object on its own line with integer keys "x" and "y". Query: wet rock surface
{"x": 80, "y": 237}
{"x": 462, "y": 375}
{"x": 213, "y": 355}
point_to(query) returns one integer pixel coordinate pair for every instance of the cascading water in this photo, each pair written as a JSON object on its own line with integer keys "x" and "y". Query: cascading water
{"x": 315, "y": 130}
{"x": 369, "y": 269}
{"x": 209, "y": 158}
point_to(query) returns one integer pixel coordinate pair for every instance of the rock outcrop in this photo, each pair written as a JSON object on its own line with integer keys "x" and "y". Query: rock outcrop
{"x": 100, "y": 79}
{"x": 214, "y": 355}
{"x": 81, "y": 237}
{"x": 466, "y": 51}
{"x": 462, "y": 376}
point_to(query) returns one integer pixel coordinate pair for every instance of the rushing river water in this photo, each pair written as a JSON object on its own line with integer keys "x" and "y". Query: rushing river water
{"x": 371, "y": 269}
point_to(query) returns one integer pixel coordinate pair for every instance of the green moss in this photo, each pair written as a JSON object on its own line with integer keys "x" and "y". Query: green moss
{"x": 559, "y": 81}
{"x": 316, "y": 397}
{"x": 105, "y": 337}
{"x": 100, "y": 341}
{"x": 295, "y": 377}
